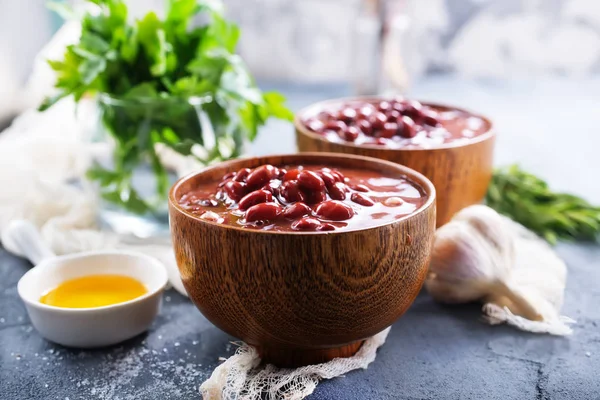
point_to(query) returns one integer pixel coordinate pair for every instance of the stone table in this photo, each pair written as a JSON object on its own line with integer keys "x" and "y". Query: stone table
{"x": 433, "y": 352}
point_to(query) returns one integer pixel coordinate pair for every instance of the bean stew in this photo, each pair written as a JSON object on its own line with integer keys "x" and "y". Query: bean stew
{"x": 304, "y": 198}
{"x": 395, "y": 123}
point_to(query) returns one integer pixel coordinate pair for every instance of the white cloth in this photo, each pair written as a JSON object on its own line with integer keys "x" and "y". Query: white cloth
{"x": 241, "y": 378}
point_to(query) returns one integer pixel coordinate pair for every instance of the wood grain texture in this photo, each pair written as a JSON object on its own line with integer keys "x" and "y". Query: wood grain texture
{"x": 461, "y": 174}
{"x": 303, "y": 297}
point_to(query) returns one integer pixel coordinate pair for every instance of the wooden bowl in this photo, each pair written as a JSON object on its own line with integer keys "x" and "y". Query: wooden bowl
{"x": 302, "y": 297}
{"x": 460, "y": 173}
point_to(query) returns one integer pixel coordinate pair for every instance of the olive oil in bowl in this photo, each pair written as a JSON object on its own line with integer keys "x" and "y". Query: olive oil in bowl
{"x": 94, "y": 291}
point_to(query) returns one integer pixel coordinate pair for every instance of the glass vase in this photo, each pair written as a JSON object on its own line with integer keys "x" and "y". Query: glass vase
{"x": 131, "y": 175}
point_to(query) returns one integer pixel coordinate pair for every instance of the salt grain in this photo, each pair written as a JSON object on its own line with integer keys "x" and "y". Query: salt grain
{"x": 2, "y": 320}
{"x": 177, "y": 344}
{"x": 115, "y": 378}
{"x": 588, "y": 354}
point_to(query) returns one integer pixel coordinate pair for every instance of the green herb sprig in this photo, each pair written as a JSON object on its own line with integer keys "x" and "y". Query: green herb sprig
{"x": 528, "y": 200}
{"x": 152, "y": 78}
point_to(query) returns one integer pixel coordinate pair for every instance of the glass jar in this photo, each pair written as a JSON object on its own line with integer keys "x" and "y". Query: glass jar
{"x": 145, "y": 143}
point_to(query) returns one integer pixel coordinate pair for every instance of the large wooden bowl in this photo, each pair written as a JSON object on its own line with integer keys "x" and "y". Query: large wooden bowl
{"x": 302, "y": 297}
{"x": 460, "y": 173}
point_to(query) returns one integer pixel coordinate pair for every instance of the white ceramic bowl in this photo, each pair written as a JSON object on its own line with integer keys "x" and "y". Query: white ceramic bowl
{"x": 99, "y": 326}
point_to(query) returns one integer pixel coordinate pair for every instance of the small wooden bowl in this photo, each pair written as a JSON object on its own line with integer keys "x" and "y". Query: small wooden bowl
{"x": 302, "y": 297}
{"x": 460, "y": 173}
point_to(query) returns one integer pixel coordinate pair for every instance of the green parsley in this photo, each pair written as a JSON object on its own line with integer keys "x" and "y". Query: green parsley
{"x": 528, "y": 200}
{"x": 153, "y": 77}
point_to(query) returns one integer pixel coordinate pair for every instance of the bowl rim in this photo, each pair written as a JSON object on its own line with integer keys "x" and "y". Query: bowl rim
{"x": 300, "y": 126}
{"x": 413, "y": 175}
{"x": 158, "y": 269}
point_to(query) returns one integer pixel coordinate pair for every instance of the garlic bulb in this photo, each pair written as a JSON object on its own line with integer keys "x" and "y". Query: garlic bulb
{"x": 483, "y": 256}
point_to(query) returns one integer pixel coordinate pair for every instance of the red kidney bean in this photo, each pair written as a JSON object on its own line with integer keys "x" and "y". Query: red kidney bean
{"x": 393, "y": 115}
{"x": 334, "y": 210}
{"x": 365, "y": 127}
{"x": 272, "y": 188}
{"x": 338, "y": 191}
{"x": 242, "y": 174}
{"x": 347, "y": 114}
{"x": 290, "y": 191}
{"x": 261, "y": 175}
{"x": 314, "y": 197}
{"x": 359, "y": 187}
{"x": 413, "y": 109}
{"x": 282, "y": 172}
{"x": 350, "y": 134}
{"x": 389, "y": 130}
{"x": 291, "y": 175}
{"x": 429, "y": 117}
{"x": 338, "y": 175}
{"x": 315, "y": 125}
{"x": 296, "y": 210}
{"x": 263, "y": 212}
{"x": 326, "y": 227}
{"x": 399, "y": 106}
{"x": 406, "y": 127}
{"x": 236, "y": 190}
{"x": 378, "y": 120}
{"x": 311, "y": 181}
{"x": 325, "y": 115}
{"x": 327, "y": 177}
{"x": 306, "y": 224}
{"x": 384, "y": 106}
{"x": 365, "y": 111}
{"x": 228, "y": 176}
{"x": 254, "y": 198}
{"x": 335, "y": 125}
{"x": 222, "y": 183}
{"x": 362, "y": 199}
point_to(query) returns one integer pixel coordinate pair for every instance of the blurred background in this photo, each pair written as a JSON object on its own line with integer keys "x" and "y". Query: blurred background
{"x": 531, "y": 65}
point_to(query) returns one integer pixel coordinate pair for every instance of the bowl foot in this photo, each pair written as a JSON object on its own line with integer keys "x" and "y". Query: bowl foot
{"x": 297, "y": 357}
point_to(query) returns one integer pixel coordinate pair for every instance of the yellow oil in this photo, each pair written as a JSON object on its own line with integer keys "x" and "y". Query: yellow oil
{"x": 94, "y": 291}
